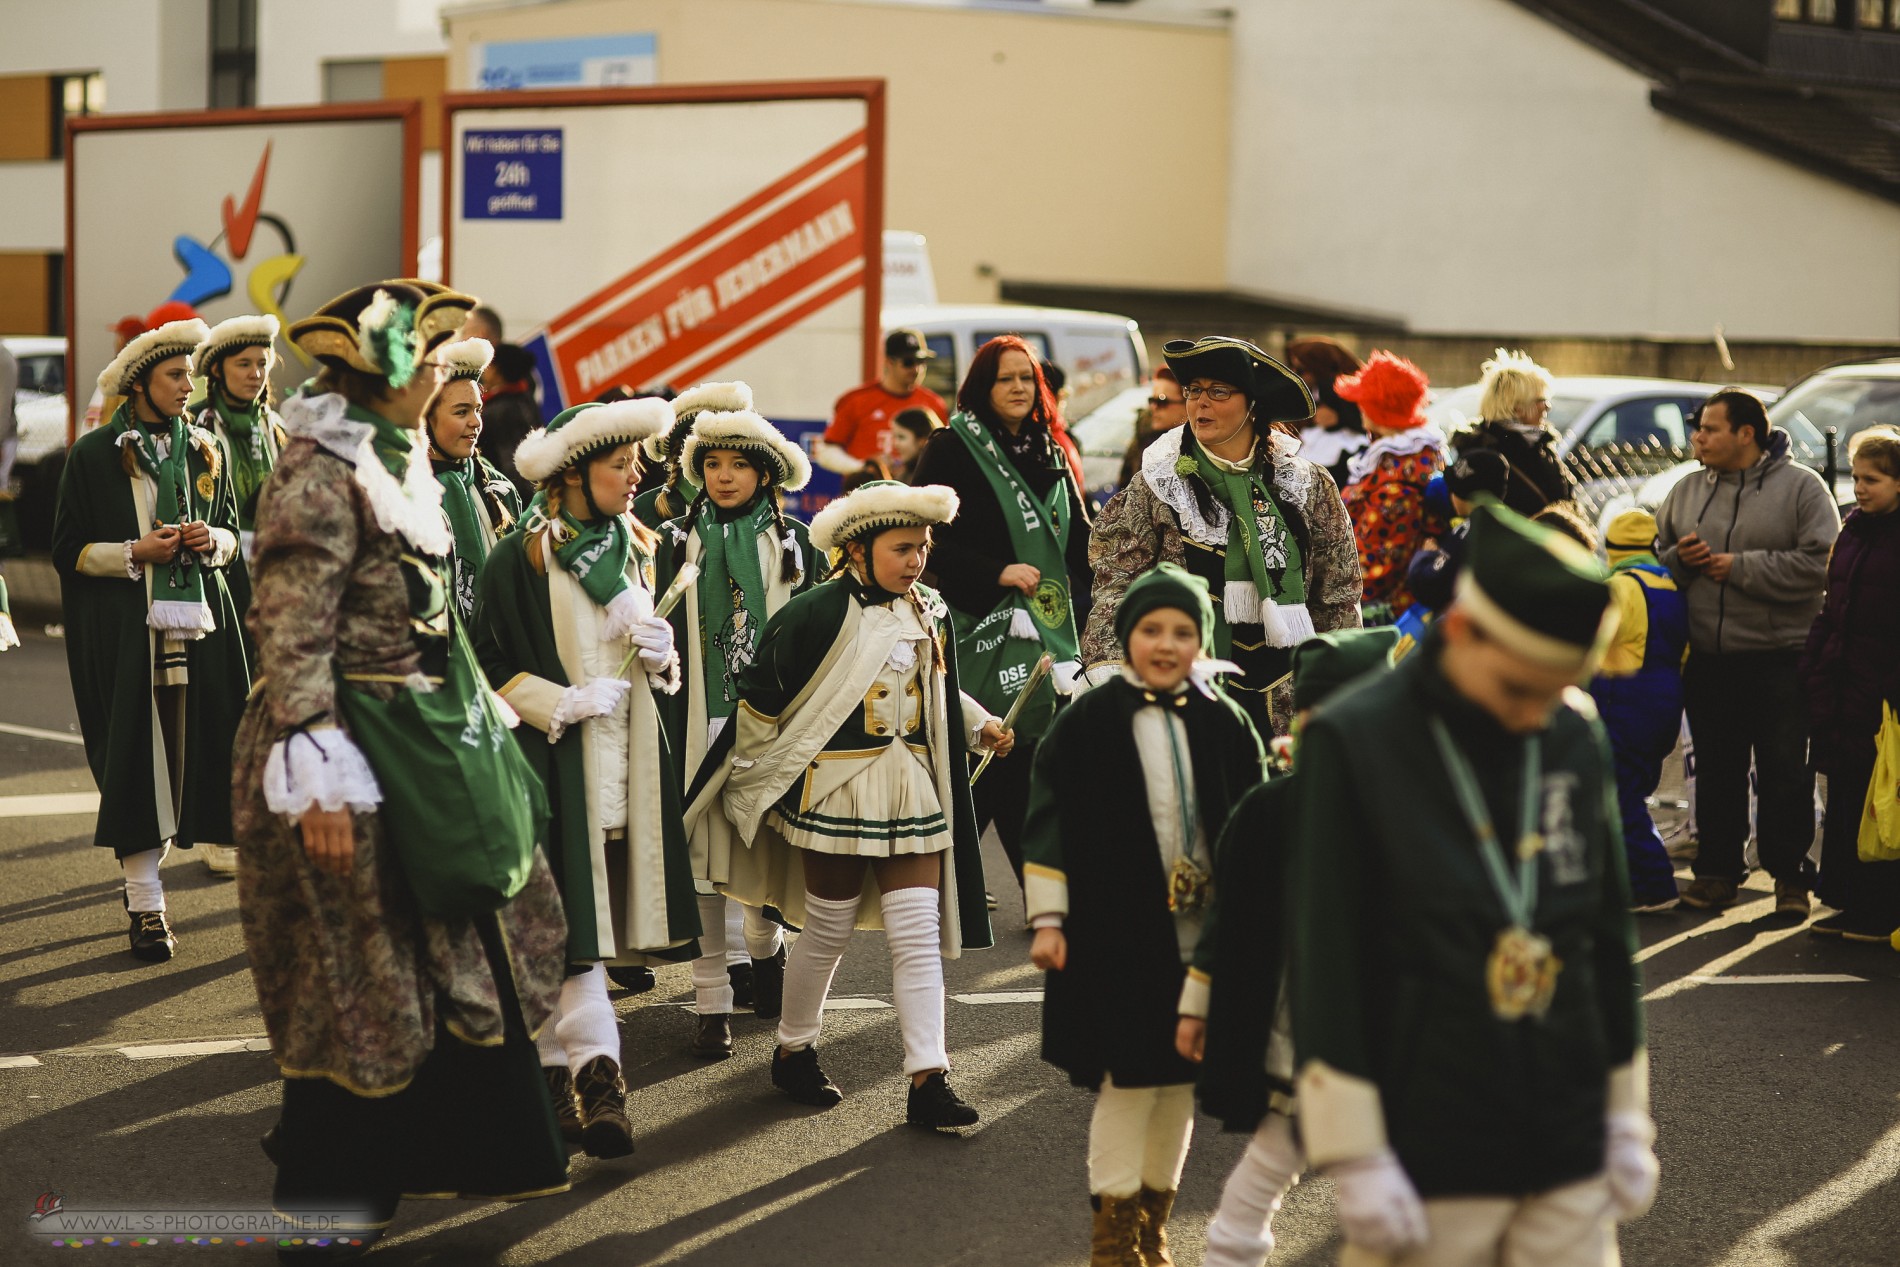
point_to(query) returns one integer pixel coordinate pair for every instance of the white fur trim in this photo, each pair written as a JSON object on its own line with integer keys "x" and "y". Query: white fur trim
{"x": 743, "y": 430}
{"x": 320, "y": 768}
{"x": 249, "y": 331}
{"x": 544, "y": 452}
{"x": 725, "y": 397}
{"x": 174, "y": 338}
{"x": 1022, "y": 624}
{"x": 1404, "y": 444}
{"x": 465, "y": 359}
{"x": 411, "y": 509}
{"x": 881, "y": 506}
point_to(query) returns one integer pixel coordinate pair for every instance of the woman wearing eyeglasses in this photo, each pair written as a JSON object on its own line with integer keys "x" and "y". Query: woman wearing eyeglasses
{"x": 1227, "y": 497}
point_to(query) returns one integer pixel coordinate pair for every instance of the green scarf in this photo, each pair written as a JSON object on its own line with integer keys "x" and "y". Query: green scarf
{"x": 1260, "y": 548}
{"x": 178, "y": 594}
{"x": 458, "y": 503}
{"x": 595, "y": 553}
{"x": 731, "y": 591}
{"x": 1039, "y": 530}
{"x": 392, "y": 444}
{"x": 253, "y": 449}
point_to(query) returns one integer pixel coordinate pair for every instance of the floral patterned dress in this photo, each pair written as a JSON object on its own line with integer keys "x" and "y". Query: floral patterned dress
{"x": 1386, "y": 500}
{"x": 391, "y": 1028}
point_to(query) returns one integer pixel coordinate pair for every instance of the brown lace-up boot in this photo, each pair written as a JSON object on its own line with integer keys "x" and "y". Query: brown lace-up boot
{"x": 1116, "y": 1242}
{"x": 1155, "y": 1208}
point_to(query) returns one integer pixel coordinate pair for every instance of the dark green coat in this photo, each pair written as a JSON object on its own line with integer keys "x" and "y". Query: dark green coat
{"x": 513, "y": 633}
{"x": 109, "y": 652}
{"x": 1114, "y": 1008}
{"x": 1393, "y": 919}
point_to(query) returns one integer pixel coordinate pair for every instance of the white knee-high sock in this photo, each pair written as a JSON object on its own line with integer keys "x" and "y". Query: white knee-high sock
{"x": 1170, "y": 1127}
{"x": 143, "y": 892}
{"x": 735, "y": 932}
{"x": 811, "y": 965}
{"x": 1118, "y": 1134}
{"x": 587, "y": 1027}
{"x": 913, "y": 931}
{"x": 762, "y": 936}
{"x": 712, "y": 988}
{"x": 547, "y": 1044}
{"x": 1241, "y": 1232}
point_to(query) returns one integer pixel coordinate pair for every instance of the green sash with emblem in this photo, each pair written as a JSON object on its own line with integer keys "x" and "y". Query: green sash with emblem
{"x": 448, "y": 748}
{"x": 994, "y": 659}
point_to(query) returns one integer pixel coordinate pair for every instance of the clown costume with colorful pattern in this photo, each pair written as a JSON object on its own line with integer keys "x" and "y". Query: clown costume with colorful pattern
{"x": 1385, "y": 494}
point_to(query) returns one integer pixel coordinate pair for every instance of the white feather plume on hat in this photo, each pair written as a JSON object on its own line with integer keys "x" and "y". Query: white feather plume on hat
{"x": 748, "y": 433}
{"x": 174, "y": 338}
{"x": 253, "y": 330}
{"x": 881, "y": 504}
{"x": 585, "y": 428}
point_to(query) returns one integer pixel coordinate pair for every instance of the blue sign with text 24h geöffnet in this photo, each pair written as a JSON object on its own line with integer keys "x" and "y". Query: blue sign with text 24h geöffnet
{"x": 512, "y": 174}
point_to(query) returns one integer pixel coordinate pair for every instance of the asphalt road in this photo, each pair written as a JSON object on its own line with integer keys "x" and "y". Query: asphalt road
{"x": 1776, "y": 1094}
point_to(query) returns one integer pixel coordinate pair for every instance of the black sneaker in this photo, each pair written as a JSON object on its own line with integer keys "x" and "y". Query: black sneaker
{"x": 151, "y": 935}
{"x": 566, "y": 1105}
{"x": 797, "y": 1074}
{"x": 632, "y": 980}
{"x": 768, "y": 985}
{"x": 714, "y": 1039}
{"x": 935, "y": 1106}
{"x": 744, "y": 983}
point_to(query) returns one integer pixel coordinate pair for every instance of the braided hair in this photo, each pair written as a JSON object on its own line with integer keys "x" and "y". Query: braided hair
{"x": 789, "y": 563}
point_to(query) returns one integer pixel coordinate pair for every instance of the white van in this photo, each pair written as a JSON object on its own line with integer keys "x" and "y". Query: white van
{"x": 1101, "y": 354}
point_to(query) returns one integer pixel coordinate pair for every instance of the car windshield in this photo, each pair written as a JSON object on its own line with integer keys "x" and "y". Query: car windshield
{"x": 1848, "y": 403}
{"x": 1564, "y": 410}
{"x": 43, "y": 375}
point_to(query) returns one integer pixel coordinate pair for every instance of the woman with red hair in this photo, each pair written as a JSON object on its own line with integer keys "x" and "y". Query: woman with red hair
{"x": 1013, "y": 565}
{"x": 1385, "y": 494}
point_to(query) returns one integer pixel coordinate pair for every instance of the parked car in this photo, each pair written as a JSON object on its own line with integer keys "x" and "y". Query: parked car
{"x": 1616, "y": 431}
{"x": 1104, "y": 434}
{"x": 1848, "y": 397}
{"x": 39, "y": 407}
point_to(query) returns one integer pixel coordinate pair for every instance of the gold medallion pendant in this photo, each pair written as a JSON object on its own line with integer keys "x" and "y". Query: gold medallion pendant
{"x": 1521, "y": 974}
{"x": 1188, "y": 885}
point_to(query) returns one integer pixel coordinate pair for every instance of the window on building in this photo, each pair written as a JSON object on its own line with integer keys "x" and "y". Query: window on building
{"x": 353, "y": 81}
{"x": 74, "y": 96}
{"x": 233, "y": 54}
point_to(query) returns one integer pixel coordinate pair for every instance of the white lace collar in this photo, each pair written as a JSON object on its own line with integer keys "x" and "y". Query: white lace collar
{"x": 1403, "y": 444}
{"x": 411, "y": 509}
{"x": 1292, "y": 478}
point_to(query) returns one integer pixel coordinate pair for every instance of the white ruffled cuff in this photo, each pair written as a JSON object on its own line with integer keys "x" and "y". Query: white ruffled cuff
{"x": 321, "y": 768}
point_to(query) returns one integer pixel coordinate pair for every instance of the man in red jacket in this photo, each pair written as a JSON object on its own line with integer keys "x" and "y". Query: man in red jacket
{"x": 861, "y": 420}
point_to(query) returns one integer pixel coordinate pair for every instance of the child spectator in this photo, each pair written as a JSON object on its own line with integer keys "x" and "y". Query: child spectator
{"x": 909, "y": 430}
{"x": 1638, "y": 691}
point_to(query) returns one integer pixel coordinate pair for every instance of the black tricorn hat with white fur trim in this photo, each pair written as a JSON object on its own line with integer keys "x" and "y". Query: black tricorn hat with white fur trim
{"x": 747, "y": 432}
{"x": 689, "y": 404}
{"x": 878, "y": 505}
{"x": 584, "y": 429}
{"x": 174, "y": 338}
{"x": 256, "y": 330}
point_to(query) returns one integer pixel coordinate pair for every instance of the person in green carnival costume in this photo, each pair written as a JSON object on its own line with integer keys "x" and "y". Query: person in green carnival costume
{"x": 1013, "y": 566}
{"x": 235, "y": 362}
{"x": 144, "y": 534}
{"x": 564, "y": 610}
{"x": 672, "y": 498}
{"x": 480, "y": 501}
{"x": 1233, "y": 1007}
{"x": 752, "y": 559}
{"x": 1228, "y": 497}
{"x": 1132, "y": 784}
{"x": 1466, "y": 1012}
{"x": 388, "y": 1017}
{"x": 9, "y": 636}
{"x": 842, "y": 776}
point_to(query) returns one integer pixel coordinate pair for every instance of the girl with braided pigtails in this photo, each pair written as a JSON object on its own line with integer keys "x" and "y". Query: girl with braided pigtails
{"x": 751, "y": 559}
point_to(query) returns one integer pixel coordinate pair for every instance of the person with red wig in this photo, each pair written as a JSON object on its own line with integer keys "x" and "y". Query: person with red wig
{"x": 1385, "y": 492}
{"x": 1013, "y": 565}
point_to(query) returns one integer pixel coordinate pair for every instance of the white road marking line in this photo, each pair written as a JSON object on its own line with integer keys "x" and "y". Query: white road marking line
{"x": 215, "y": 1047}
{"x": 1784, "y": 978}
{"x": 18, "y": 1062}
{"x": 1720, "y": 964}
{"x": 34, "y": 732}
{"x": 1001, "y": 996}
{"x": 49, "y": 804}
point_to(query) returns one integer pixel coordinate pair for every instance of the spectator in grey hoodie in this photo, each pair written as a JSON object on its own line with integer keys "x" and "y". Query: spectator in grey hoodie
{"x": 1747, "y": 540}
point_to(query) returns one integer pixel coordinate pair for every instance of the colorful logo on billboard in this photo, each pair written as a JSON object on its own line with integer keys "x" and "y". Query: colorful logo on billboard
{"x": 209, "y": 267}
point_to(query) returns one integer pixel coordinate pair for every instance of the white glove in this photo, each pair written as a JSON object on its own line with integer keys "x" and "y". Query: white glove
{"x": 654, "y": 637}
{"x": 1068, "y": 677}
{"x": 625, "y": 610}
{"x": 596, "y": 699}
{"x": 1630, "y": 1164}
{"x": 1379, "y": 1209}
